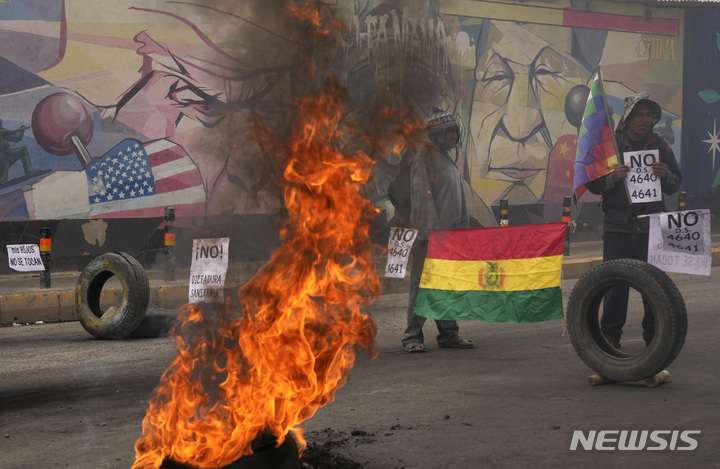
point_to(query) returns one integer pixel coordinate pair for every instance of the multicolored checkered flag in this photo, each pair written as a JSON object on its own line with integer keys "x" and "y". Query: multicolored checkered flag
{"x": 596, "y": 149}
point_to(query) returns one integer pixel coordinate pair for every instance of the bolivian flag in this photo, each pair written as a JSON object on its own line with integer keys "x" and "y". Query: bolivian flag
{"x": 504, "y": 274}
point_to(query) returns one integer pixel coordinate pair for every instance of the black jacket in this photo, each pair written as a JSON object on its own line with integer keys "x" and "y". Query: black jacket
{"x": 620, "y": 215}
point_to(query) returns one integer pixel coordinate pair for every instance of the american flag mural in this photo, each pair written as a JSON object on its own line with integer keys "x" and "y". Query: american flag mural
{"x": 133, "y": 179}
{"x": 124, "y": 174}
{"x": 140, "y": 180}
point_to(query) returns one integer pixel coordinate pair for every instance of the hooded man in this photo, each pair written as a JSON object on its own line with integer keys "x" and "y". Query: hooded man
{"x": 438, "y": 203}
{"x": 625, "y": 235}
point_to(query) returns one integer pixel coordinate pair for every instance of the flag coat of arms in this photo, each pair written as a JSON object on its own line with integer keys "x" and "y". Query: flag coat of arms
{"x": 596, "y": 149}
{"x": 504, "y": 274}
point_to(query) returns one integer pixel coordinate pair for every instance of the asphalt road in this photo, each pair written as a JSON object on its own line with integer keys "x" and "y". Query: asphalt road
{"x": 70, "y": 401}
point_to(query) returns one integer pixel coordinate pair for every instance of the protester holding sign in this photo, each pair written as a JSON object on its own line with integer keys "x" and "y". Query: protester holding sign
{"x": 631, "y": 190}
{"x": 437, "y": 203}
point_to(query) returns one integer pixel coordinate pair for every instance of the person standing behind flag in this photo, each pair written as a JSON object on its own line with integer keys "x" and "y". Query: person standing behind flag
{"x": 438, "y": 203}
{"x": 624, "y": 234}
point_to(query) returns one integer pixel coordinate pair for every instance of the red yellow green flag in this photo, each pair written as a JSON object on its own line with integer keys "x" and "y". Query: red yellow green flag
{"x": 504, "y": 274}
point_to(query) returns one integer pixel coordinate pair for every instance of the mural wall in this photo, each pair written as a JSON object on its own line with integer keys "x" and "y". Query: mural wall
{"x": 701, "y": 109}
{"x": 121, "y": 110}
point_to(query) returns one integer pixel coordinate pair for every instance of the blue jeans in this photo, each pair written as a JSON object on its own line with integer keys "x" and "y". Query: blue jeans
{"x": 448, "y": 330}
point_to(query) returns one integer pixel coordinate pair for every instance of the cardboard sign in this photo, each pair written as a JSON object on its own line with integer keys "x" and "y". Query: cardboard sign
{"x": 24, "y": 257}
{"x": 208, "y": 270}
{"x": 643, "y": 186}
{"x": 399, "y": 246}
{"x": 680, "y": 242}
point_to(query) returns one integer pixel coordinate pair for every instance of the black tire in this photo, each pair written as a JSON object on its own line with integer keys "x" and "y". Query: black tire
{"x": 265, "y": 455}
{"x": 116, "y": 322}
{"x": 584, "y": 327}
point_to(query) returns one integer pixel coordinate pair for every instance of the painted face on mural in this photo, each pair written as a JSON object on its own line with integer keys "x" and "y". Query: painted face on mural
{"x": 204, "y": 98}
{"x": 517, "y": 115}
{"x": 391, "y": 58}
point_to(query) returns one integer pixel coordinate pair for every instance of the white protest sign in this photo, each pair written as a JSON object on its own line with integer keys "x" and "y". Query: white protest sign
{"x": 399, "y": 246}
{"x": 680, "y": 242}
{"x": 24, "y": 257}
{"x": 642, "y": 185}
{"x": 208, "y": 270}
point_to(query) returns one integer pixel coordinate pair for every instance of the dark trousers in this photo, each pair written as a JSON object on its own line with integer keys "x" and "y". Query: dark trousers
{"x": 447, "y": 330}
{"x": 615, "y": 303}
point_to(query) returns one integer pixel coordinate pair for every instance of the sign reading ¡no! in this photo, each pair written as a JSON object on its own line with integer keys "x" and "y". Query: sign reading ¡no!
{"x": 208, "y": 270}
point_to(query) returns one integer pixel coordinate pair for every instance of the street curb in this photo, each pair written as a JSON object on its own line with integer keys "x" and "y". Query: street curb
{"x": 59, "y": 305}
{"x": 573, "y": 269}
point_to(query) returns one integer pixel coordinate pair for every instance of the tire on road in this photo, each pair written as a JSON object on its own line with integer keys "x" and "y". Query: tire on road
{"x": 584, "y": 326}
{"x": 117, "y": 322}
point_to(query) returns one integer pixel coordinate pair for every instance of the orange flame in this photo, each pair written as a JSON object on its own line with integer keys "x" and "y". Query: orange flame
{"x": 272, "y": 366}
{"x": 312, "y": 13}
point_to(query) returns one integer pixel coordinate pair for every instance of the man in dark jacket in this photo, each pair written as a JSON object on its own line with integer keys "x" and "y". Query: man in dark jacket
{"x": 625, "y": 235}
{"x": 438, "y": 203}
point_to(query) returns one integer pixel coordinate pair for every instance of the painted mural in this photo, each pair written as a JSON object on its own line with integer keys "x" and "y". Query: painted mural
{"x": 701, "y": 105}
{"x": 121, "y": 110}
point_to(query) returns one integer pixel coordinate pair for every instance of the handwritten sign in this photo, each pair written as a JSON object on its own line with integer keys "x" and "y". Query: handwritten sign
{"x": 24, "y": 257}
{"x": 208, "y": 270}
{"x": 643, "y": 186}
{"x": 399, "y": 246}
{"x": 680, "y": 242}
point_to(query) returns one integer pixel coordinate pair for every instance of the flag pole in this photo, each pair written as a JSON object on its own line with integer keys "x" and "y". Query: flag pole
{"x": 620, "y": 157}
{"x": 593, "y": 149}
{"x": 589, "y": 86}
{"x": 609, "y": 116}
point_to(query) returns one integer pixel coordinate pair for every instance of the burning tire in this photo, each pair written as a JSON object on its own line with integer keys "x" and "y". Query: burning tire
{"x": 116, "y": 322}
{"x": 266, "y": 455}
{"x": 584, "y": 326}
